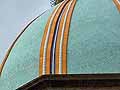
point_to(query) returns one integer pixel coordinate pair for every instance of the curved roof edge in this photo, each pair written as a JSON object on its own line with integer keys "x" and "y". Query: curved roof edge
{"x": 12, "y": 45}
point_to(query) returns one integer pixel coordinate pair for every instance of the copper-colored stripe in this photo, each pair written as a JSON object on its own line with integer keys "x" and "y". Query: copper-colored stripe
{"x": 65, "y": 39}
{"x": 9, "y": 50}
{"x": 117, "y": 3}
{"x": 42, "y": 48}
{"x": 51, "y": 37}
{"x": 58, "y": 40}
{"x": 42, "y": 45}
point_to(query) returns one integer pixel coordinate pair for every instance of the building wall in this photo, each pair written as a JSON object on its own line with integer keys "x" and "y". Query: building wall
{"x": 84, "y": 88}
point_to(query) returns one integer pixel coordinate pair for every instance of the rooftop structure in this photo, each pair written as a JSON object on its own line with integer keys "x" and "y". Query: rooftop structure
{"x": 75, "y": 40}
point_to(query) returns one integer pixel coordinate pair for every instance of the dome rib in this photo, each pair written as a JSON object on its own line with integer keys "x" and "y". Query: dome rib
{"x": 53, "y": 58}
{"x": 46, "y": 45}
{"x": 117, "y": 3}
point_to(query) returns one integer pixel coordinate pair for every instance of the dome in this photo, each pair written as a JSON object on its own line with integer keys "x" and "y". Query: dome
{"x": 74, "y": 37}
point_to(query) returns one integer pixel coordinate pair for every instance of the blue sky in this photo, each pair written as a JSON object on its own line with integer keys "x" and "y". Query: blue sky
{"x": 14, "y": 16}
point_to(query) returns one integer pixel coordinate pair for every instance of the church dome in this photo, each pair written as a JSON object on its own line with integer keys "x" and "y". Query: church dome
{"x": 74, "y": 37}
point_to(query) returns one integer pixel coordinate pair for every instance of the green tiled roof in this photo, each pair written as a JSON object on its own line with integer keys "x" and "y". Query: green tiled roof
{"x": 93, "y": 44}
{"x": 94, "y": 38}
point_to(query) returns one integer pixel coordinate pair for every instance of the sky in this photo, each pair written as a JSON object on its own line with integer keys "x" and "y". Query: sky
{"x": 14, "y": 16}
